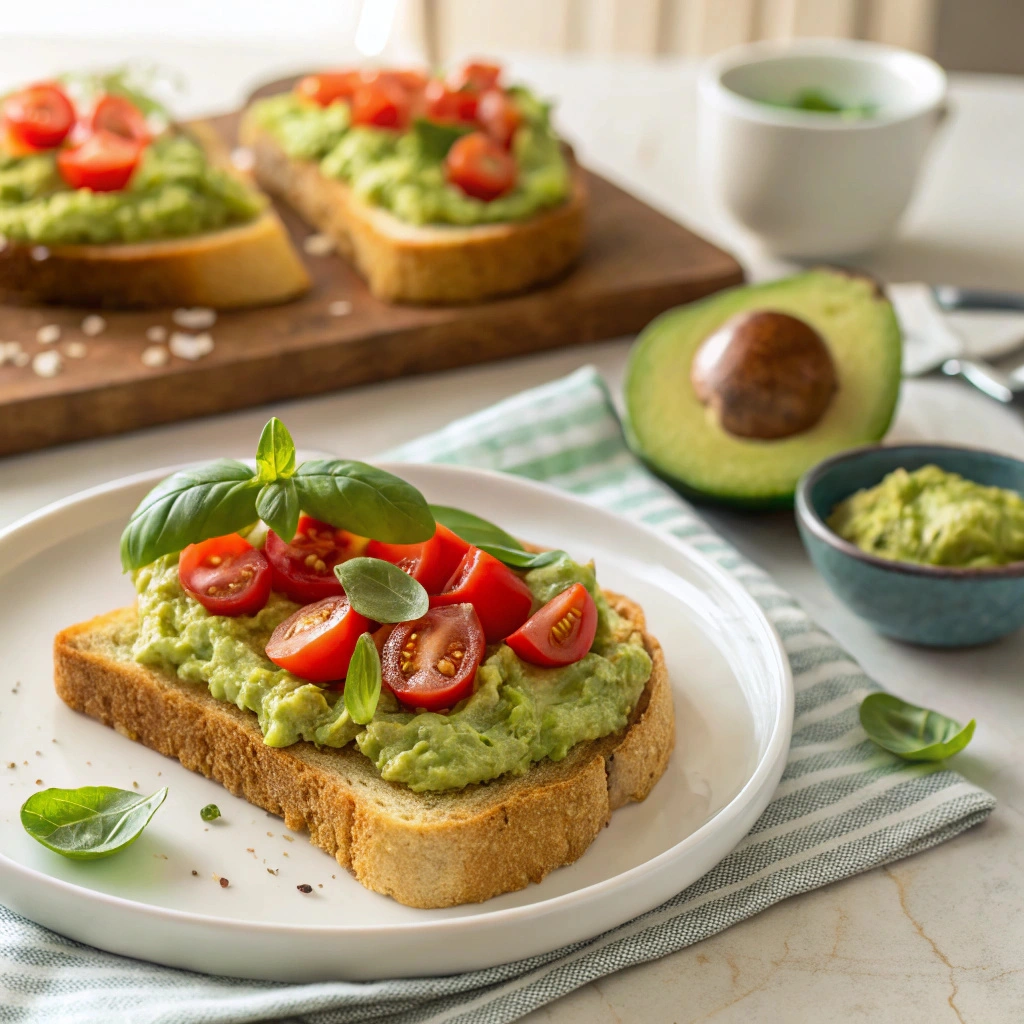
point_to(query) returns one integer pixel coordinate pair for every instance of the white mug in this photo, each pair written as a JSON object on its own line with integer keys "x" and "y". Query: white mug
{"x": 808, "y": 184}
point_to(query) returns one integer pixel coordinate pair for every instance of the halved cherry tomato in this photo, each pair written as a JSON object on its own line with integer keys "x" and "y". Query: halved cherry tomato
{"x": 431, "y": 562}
{"x": 382, "y": 103}
{"x": 104, "y": 162}
{"x": 559, "y": 633}
{"x": 498, "y": 116}
{"x": 501, "y": 599}
{"x": 329, "y": 86}
{"x": 119, "y": 116}
{"x": 431, "y": 663}
{"x": 478, "y": 75}
{"x": 40, "y": 116}
{"x": 226, "y": 575}
{"x": 316, "y": 643}
{"x": 304, "y": 567}
{"x": 444, "y": 104}
{"x": 480, "y": 167}
{"x": 410, "y": 79}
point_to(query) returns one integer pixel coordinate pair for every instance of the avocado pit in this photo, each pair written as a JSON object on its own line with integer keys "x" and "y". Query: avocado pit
{"x": 764, "y": 375}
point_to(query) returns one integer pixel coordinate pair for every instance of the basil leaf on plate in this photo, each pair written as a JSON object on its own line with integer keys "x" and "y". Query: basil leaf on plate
{"x": 492, "y": 539}
{"x": 88, "y": 823}
{"x": 364, "y": 500}
{"x": 910, "y": 732}
{"x": 275, "y": 454}
{"x": 362, "y": 684}
{"x": 189, "y": 506}
{"x": 278, "y": 506}
{"x": 381, "y": 591}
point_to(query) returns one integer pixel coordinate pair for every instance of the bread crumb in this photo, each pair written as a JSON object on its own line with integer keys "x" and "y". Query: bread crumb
{"x": 288, "y": 839}
{"x": 39, "y": 753}
{"x": 93, "y": 325}
{"x": 305, "y": 887}
{"x": 224, "y": 883}
{"x": 195, "y": 873}
{"x": 76, "y": 350}
{"x": 196, "y": 319}
{"x": 190, "y": 346}
{"x": 342, "y": 307}
{"x": 155, "y": 355}
{"x": 318, "y": 245}
{"x": 271, "y": 834}
{"x": 135, "y": 785}
{"x": 11, "y": 764}
{"x": 48, "y": 334}
{"x": 271, "y": 871}
{"x": 156, "y": 333}
{"x": 319, "y": 885}
{"x": 47, "y": 364}
{"x": 286, "y": 853}
{"x": 39, "y": 782}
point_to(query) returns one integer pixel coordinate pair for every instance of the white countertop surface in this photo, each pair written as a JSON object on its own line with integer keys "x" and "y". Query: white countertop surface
{"x": 936, "y": 939}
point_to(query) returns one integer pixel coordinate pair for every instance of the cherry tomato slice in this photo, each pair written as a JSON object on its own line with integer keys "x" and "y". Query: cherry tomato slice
{"x": 40, "y": 116}
{"x": 329, "y": 86}
{"x": 382, "y": 104}
{"x": 304, "y": 567}
{"x": 316, "y": 643}
{"x": 431, "y": 562}
{"x": 561, "y": 632}
{"x": 226, "y": 575}
{"x": 444, "y": 104}
{"x": 431, "y": 663}
{"x": 501, "y": 599}
{"x": 119, "y": 116}
{"x": 478, "y": 75}
{"x": 480, "y": 167}
{"x": 410, "y": 79}
{"x": 104, "y": 162}
{"x": 499, "y": 116}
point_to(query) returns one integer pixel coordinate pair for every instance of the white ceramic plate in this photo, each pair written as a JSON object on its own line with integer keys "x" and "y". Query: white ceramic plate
{"x": 159, "y": 899}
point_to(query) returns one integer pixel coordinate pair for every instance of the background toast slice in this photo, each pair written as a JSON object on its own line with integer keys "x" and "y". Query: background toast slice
{"x": 424, "y": 263}
{"x": 252, "y": 264}
{"x": 423, "y": 849}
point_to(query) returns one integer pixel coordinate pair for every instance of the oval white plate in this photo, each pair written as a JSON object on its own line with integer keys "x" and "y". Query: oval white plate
{"x": 159, "y": 899}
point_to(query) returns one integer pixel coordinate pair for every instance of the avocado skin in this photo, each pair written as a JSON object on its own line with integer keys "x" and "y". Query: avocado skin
{"x": 747, "y": 297}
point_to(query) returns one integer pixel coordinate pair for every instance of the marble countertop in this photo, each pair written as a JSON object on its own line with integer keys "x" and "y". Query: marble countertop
{"x": 935, "y": 939}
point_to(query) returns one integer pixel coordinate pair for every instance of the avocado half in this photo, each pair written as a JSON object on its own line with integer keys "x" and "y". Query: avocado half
{"x": 676, "y": 409}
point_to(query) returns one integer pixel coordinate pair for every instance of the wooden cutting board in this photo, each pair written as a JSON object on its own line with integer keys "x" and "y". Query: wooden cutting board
{"x": 637, "y": 264}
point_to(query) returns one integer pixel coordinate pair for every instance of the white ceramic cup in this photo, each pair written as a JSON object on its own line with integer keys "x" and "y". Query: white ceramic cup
{"x": 812, "y": 185}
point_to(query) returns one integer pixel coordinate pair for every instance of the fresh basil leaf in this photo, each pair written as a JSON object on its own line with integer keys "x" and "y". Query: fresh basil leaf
{"x": 519, "y": 559}
{"x": 275, "y": 454}
{"x": 492, "y": 539}
{"x": 381, "y": 591}
{"x": 364, "y": 500}
{"x": 910, "y": 732}
{"x": 362, "y": 684}
{"x": 278, "y": 506}
{"x": 88, "y": 823}
{"x": 189, "y": 506}
{"x": 433, "y": 139}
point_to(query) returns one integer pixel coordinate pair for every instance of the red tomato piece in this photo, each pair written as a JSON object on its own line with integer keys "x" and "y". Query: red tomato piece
{"x": 477, "y": 75}
{"x": 431, "y": 563}
{"x": 104, "y": 162}
{"x": 226, "y": 575}
{"x": 501, "y": 598}
{"x": 561, "y": 632}
{"x": 382, "y": 104}
{"x": 444, "y": 104}
{"x": 40, "y": 116}
{"x": 304, "y": 567}
{"x": 316, "y": 643}
{"x": 480, "y": 167}
{"x": 119, "y": 116}
{"x": 499, "y": 116}
{"x": 330, "y": 86}
{"x": 431, "y": 663}
{"x": 411, "y": 80}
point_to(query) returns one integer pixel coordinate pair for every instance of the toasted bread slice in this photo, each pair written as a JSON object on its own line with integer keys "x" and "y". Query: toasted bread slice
{"x": 251, "y": 264}
{"x": 423, "y": 849}
{"x": 432, "y": 264}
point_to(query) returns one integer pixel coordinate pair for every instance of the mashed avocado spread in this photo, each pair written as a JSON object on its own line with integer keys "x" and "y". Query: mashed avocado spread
{"x": 518, "y": 713}
{"x": 174, "y": 193}
{"x": 404, "y": 172}
{"x": 932, "y": 517}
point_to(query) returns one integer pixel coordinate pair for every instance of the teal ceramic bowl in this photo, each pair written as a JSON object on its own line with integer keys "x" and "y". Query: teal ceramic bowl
{"x": 923, "y": 604}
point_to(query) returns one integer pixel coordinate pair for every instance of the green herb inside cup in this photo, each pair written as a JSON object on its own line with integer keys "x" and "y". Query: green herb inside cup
{"x": 818, "y": 101}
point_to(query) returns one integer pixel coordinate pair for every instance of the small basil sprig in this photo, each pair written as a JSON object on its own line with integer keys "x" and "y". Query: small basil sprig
{"x": 492, "y": 539}
{"x": 88, "y": 823}
{"x": 910, "y": 732}
{"x": 381, "y": 591}
{"x": 362, "y": 684}
{"x": 275, "y": 453}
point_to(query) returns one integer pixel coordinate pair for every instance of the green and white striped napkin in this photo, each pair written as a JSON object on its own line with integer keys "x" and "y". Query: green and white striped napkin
{"x": 843, "y": 805}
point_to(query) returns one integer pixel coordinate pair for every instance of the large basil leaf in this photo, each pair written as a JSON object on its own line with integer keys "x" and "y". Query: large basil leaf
{"x": 910, "y": 732}
{"x": 492, "y": 539}
{"x": 189, "y": 506}
{"x": 275, "y": 454}
{"x": 88, "y": 823}
{"x": 278, "y": 506}
{"x": 381, "y": 591}
{"x": 362, "y": 684}
{"x": 364, "y": 500}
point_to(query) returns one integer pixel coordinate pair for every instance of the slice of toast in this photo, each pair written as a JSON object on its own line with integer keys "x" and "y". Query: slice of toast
{"x": 252, "y": 264}
{"x": 423, "y": 849}
{"x": 431, "y": 264}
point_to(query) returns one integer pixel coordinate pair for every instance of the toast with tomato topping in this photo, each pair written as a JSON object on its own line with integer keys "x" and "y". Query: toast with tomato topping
{"x": 434, "y": 849}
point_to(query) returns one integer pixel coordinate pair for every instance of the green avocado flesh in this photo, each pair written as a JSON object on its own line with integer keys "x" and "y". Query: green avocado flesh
{"x": 403, "y": 172}
{"x": 518, "y": 713}
{"x": 932, "y": 517}
{"x": 682, "y": 441}
{"x": 175, "y": 192}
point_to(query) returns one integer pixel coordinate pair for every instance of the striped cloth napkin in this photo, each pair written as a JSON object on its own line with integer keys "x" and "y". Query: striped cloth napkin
{"x": 843, "y": 805}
